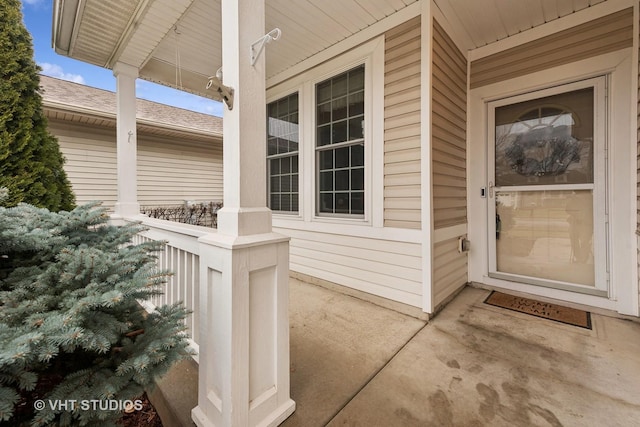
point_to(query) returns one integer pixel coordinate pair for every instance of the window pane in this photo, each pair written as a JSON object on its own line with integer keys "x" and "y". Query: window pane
{"x": 294, "y": 202}
{"x": 339, "y": 86}
{"x": 294, "y": 183}
{"x": 323, "y": 91}
{"x": 285, "y": 165}
{"x": 356, "y": 79}
{"x": 546, "y": 234}
{"x": 342, "y": 203}
{"x": 342, "y": 157}
{"x": 275, "y": 184}
{"x": 342, "y": 179}
{"x": 357, "y": 179}
{"x": 294, "y": 164}
{"x": 356, "y": 104}
{"x": 285, "y": 202}
{"x": 357, "y": 155}
{"x": 324, "y": 135}
{"x": 272, "y": 110}
{"x": 272, "y": 147}
{"x": 275, "y": 202}
{"x": 326, "y": 181}
{"x": 274, "y": 168}
{"x": 546, "y": 140}
{"x": 326, "y": 202}
{"x": 339, "y": 132}
{"x": 355, "y": 128}
{"x": 293, "y": 104}
{"x": 283, "y": 107}
{"x": 326, "y": 159}
{"x": 324, "y": 113}
{"x": 339, "y": 108}
{"x": 357, "y": 203}
{"x": 285, "y": 184}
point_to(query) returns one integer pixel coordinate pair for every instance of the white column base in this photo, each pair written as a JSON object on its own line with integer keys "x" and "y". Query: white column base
{"x": 244, "y": 221}
{"x": 124, "y": 210}
{"x": 244, "y": 324}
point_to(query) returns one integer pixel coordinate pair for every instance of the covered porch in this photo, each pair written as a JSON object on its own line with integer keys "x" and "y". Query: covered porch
{"x": 360, "y": 150}
{"x": 356, "y": 363}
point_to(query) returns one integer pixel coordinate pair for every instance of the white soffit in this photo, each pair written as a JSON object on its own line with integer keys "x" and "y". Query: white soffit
{"x": 482, "y": 22}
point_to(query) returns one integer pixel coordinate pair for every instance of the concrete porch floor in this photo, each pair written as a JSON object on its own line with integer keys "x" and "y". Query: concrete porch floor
{"x": 354, "y": 363}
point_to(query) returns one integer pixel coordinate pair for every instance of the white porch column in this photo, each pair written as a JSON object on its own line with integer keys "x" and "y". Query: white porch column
{"x": 244, "y": 267}
{"x": 126, "y": 145}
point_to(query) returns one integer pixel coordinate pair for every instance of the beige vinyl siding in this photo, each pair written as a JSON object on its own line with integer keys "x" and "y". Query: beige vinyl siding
{"x": 449, "y": 158}
{"x": 90, "y": 155}
{"x": 602, "y": 35}
{"x": 449, "y": 270}
{"x": 449, "y": 136}
{"x": 171, "y": 172}
{"x": 391, "y": 269}
{"x": 402, "y": 126}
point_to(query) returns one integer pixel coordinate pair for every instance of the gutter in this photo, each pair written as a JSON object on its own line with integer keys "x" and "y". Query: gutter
{"x": 64, "y": 25}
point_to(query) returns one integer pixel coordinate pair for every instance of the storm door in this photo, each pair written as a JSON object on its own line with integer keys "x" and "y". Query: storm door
{"x": 547, "y": 204}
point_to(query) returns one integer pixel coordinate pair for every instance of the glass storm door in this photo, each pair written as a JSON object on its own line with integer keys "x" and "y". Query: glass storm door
{"x": 547, "y": 204}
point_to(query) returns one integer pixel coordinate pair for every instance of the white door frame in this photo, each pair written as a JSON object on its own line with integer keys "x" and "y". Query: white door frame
{"x": 600, "y": 205}
{"x": 621, "y": 185}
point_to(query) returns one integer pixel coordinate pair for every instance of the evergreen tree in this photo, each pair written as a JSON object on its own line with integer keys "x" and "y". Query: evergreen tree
{"x": 71, "y": 327}
{"x": 31, "y": 164}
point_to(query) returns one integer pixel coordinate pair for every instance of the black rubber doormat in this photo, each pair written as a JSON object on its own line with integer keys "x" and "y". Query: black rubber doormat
{"x": 570, "y": 316}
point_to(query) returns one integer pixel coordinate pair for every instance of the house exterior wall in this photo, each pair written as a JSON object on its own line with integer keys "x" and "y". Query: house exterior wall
{"x": 380, "y": 254}
{"x": 168, "y": 172}
{"x": 402, "y": 126}
{"x": 449, "y": 158}
{"x": 90, "y": 161}
{"x": 606, "y": 34}
{"x": 590, "y": 48}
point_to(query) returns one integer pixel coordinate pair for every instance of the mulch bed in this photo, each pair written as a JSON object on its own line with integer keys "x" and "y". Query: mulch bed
{"x": 147, "y": 416}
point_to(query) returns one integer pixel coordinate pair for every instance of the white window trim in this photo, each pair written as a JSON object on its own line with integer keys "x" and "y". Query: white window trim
{"x": 371, "y": 54}
{"x": 294, "y": 215}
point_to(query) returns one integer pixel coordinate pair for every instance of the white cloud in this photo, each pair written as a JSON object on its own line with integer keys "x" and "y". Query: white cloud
{"x": 33, "y": 2}
{"x": 54, "y": 70}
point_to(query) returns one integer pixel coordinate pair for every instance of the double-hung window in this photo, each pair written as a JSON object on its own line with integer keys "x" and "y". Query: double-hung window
{"x": 282, "y": 154}
{"x": 340, "y": 144}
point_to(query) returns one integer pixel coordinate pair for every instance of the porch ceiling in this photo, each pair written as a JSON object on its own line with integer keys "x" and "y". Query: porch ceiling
{"x": 178, "y": 42}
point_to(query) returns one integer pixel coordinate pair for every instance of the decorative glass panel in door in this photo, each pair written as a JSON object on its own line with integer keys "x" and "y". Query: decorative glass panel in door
{"x": 546, "y": 188}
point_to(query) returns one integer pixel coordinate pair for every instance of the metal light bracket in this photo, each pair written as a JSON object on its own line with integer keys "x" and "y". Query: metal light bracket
{"x": 225, "y": 92}
{"x": 258, "y": 46}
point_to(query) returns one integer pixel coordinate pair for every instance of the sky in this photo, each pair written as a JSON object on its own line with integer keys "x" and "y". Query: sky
{"x": 38, "y": 16}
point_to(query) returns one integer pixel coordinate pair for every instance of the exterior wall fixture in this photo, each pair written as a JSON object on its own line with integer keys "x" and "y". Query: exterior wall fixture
{"x": 258, "y": 46}
{"x": 225, "y": 92}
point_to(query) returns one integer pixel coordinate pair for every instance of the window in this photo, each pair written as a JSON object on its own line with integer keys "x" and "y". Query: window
{"x": 282, "y": 154}
{"x": 340, "y": 144}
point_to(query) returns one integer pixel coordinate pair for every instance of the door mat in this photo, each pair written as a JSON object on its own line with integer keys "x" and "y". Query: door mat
{"x": 570, "y": 316}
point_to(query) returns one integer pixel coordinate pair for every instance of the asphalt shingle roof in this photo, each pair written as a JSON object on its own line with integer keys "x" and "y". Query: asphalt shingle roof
{"x": 99, "y": 100}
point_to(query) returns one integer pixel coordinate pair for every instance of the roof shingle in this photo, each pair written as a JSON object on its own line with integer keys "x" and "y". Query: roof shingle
{"x": 103, "y": 101}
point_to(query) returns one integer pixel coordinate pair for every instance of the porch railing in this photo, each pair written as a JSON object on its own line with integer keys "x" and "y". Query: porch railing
{"x": 180, "y": 256}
